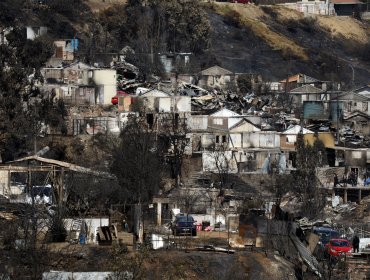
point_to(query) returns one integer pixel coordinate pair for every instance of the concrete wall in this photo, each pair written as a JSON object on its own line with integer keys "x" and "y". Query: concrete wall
{"x": 106, "y": 79}
{"x": 61, "y": 51}
{"x": 173, "y": 104}
{"x": 288, "y": 141}
{"x": 53, "y": 73}
{"x": 124, "y": 103}
{"x": 326, "y": 137}
{"x": 355, "y": 157}
{"x": 261, "y": 139}
{"x": 198, "y": 122}
{"x": 4, "y": 182}
{"x": 34, "y": 32}
{"x": 80, "y": 77}
{"x": 218, "y": 122}
{"x": 207, "y": 141}
{"x": 235, "y": 140}
{"x": 215, "y": 81}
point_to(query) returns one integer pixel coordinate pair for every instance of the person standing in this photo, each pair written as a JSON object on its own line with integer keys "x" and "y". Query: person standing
{"x": 352, "y": 177}
{"x": 335, "y": 180}
{"x": 355, "y": 244}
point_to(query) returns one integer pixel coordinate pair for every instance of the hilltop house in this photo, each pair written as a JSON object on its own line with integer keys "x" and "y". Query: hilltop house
{"x": 358, "y": 121}
{"x": 299, "y": 80}
{"x": 215, "y": 76}
{"x": 355, "y": 100}
{"x": 308, "y": 92}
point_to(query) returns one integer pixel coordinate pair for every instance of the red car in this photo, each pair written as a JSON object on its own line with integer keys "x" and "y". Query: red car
{"x": 337, "y": 247}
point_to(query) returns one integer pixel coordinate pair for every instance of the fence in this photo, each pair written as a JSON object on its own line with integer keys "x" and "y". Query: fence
{"x": 93, "y": 126}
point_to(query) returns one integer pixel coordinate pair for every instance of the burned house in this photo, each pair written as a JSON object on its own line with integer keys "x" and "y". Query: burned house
{"x": 288, "y": 140}
{"x": 308, "y": 93}
{"x": 215, "y": 76}
{"x": 355, "y": 100}
{"x": 358, "y": 121}
{"x": 300, "y": 80}
{"x": 353, "y": 159}
{"x": 165, "y": 111}
{"x": 233, "y": 137}
{"x": 81, "y": 84}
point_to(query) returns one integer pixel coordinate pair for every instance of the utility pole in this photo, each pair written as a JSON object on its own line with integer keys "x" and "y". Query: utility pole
{"x": 353, "y": 76}
{"x": 337, "y": 118}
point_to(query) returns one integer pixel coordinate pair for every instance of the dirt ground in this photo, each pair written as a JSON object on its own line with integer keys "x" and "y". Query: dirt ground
{"x": 260, "y": 23}
{"x": 346, "y": 27}
{"x": 97, "y": 5}
{"x": 177, "y": 264}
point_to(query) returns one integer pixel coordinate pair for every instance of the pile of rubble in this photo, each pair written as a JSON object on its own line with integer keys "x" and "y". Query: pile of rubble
{"x": 350, "y": 137}
{"x": 234, "y": 102}
{"x": 336, "y": 210}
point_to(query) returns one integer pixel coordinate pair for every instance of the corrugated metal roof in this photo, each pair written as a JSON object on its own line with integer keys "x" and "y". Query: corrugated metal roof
{"x": 66, "y": 165}
{"x": 215, "y": 71}
{"x": 225, "y": 113}
{"x": 297, "y": 129}
{"x": 306, "y": 255}
{"x": 306, "y": 89}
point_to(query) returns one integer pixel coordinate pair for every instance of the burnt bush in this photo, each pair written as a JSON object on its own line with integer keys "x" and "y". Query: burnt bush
{"x": 308, "y": 24}
{"x": 232, "y": 18}
{"x": 270, "y": 11}
{"x": 58, "y": 232}
{"x": 237, "y": 35}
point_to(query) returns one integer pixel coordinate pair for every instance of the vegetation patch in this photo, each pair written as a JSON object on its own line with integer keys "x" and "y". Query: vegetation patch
{"x": 275, "y": 40}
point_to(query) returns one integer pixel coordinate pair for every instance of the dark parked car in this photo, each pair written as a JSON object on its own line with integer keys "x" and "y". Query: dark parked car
{"x": 184, "y": 224}
{"x": 325, "y": 234}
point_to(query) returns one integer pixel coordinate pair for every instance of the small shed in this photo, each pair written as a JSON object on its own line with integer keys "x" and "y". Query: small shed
{"x": 215, "y": 76}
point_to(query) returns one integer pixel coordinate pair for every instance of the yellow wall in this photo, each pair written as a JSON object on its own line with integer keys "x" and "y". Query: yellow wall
{"x": 326, "y": 137}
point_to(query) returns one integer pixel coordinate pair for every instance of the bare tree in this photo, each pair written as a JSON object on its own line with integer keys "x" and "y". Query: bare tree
{"x": 173, "y": 135}
{"x": 222, "y": 159}
{"x": 138, "y": 168}
{"x": 305, "y": 179}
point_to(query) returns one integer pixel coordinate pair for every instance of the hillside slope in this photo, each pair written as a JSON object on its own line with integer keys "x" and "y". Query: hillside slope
{"x": 277, "y": 41}
{"x": 98, "y": 5}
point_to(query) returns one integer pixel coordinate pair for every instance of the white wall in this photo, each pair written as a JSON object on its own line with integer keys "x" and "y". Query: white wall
{"x": 198, "y": 122}
{"x": 34, "y": 32}
{"x": 106, "y": 78}
{"x": 4, "y": 182}
{"x": 235, "y": 140}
